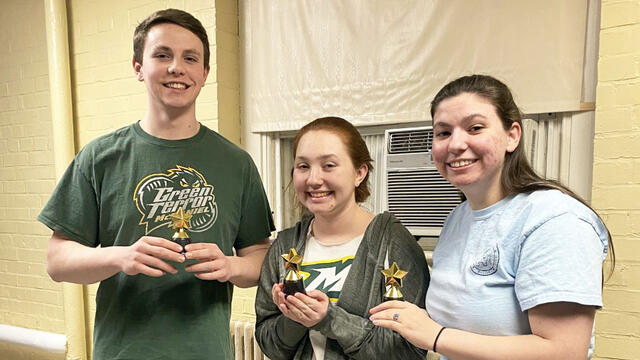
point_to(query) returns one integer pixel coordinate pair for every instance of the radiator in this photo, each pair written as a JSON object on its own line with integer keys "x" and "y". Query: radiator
{"x": 244, "y": 342}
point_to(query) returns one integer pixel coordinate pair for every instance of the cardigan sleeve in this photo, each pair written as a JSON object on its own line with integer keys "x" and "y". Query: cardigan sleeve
{"x": 278, "y": 336}
{"x": 356, "y": 335}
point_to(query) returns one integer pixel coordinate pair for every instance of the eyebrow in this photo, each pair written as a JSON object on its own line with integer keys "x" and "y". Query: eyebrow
{"x": 464, "y": 119}
{"x": 186, "y": 52}
{"x": 322, "y": 157}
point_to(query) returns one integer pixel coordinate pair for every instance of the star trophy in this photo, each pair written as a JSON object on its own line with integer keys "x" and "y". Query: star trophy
{"x": 180, "y": 221}
{"x": 293, "y": 281}
{"x": 393, "y": 282}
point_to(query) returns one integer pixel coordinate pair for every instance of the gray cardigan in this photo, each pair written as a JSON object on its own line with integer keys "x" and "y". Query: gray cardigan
{"x": 350, "y": 334}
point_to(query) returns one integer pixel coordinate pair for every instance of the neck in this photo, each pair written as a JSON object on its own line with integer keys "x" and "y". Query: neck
{"x": 343, "y": 226}
{"x": 170, "y": 125}
{"x": 483, "y": 198}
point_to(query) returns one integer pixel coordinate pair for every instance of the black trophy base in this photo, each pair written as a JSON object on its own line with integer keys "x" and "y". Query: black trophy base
{"x": 182, "y": 242}
{"x": 392, "y": 298}
{"x": 293, "y": 287}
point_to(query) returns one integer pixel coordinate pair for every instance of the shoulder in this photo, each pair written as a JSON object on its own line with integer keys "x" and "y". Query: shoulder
{"x": 536, "y": 209}
{"x": 222, "y": 144}
{"x": 386, "y": 222}
{"x": 385, "y": 227}
{"x": 291, "y": 237}
{"x": 543, "y": 205}
{"x": 104, "y": 146}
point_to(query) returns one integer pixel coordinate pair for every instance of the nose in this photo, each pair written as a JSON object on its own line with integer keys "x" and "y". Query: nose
{"x": 315, "y": 177}
{"x": 457, "y": 141}
{"x": 176, "y": 67}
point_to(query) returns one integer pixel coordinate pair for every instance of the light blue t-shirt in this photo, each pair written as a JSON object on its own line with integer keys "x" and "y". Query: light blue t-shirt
{"x": 492, "y": 265}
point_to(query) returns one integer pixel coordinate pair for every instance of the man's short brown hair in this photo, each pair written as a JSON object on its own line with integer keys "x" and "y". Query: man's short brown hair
{"x": 172, "y": 16}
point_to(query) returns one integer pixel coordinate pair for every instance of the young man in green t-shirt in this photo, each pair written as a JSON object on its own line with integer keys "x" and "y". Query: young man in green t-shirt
{"x": 111, "y": 212}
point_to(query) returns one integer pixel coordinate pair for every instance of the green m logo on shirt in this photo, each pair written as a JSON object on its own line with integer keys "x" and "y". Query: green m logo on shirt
{"x": 327, "y": 276}
{"x": 159, "y": 195}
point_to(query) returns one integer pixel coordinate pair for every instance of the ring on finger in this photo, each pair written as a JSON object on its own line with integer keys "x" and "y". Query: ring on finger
{"x": 396, "y": 316}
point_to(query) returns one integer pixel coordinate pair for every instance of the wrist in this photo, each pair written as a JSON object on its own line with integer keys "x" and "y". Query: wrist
{"x": 114, "y": 256}
{"x": 438, "y": 335}
{"x": 235, "y": 263}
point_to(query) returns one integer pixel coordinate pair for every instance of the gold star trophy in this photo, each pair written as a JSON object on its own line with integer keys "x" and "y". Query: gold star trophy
{"x": 181, "y": 221}
{"x": 393, "y": 282}
{"x": 293, "y": 281}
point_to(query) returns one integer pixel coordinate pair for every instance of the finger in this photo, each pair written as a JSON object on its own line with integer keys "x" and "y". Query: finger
{"x": 307, "y": 301}
{"x": 384, "y": 314}
{"x": 204, "y": 254}
{"x": 389, "y": 324}
{"x": 206, "y": 266}
{"x": 214, "y": 275}
{"x": 318, "y": 295}
{"x": 162, "y": 242}
{"x": 149, "y": 271}
{"x": 153, "y": 262}
{"x": 386, "y": 305}
{"x": 163, "y": 253}
{"x": 297, "y": 312}
{"x": 202, "y": 246}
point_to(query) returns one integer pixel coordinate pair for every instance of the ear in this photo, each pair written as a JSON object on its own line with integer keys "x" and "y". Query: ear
{"x": 137, "y": 68}
{"x": 514, "y": 134}
{"x": 361, "y": 172}
{"x": 206, "y": 74}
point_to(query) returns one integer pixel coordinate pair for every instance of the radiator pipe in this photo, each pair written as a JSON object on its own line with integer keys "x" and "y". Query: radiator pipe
{"x": 64, "y": 151}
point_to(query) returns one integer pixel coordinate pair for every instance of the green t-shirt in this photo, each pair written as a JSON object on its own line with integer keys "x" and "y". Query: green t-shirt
{"x": 123, "y": 186}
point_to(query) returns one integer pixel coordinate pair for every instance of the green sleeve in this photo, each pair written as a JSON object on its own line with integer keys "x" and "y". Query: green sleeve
{"x": 256, "y": 221}
{"x": 73, "y": 206}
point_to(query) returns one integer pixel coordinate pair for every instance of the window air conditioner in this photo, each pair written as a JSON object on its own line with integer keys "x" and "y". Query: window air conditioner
{"x": 415, "y": 192}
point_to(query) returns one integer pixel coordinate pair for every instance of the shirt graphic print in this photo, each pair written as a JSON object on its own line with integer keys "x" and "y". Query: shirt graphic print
{"x": 327, "y": 276}
{"x": 159, "y": 195}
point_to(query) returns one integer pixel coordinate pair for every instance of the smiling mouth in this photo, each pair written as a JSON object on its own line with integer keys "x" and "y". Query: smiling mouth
{"x": 319, "y": 194}
{"x": 176, "y": 85}
{"x": 460, "y": 163}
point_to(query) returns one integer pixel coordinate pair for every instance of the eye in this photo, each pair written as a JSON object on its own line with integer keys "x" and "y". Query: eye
{"x": 330, "y": 165}
{"x": 302, "y": 166}
{"x": 161, "y": 56}
{"x": 183, "y": 183}
{"x": 476, "y": 128}
{"x": 191, "y": 59}
{"x": 442, "y": 134}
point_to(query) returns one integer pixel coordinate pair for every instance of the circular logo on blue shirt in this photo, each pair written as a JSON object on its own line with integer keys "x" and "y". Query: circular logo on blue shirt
{"x": 488, "y": 264}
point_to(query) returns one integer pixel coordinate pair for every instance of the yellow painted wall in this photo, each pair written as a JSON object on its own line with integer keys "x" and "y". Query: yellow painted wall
{"x": 616, "y": 175}
{"x": 106, "y": 96}
{"x": 28, "y": 298}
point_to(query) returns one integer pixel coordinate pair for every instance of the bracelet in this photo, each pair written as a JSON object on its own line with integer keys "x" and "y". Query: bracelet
{"x": 435, "y": 342}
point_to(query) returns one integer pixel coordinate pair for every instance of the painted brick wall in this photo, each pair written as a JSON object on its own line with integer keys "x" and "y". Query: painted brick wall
{"x": 616, "y": 177}
{"x": 227, "y": 55}
{"x": 28, "y": 298}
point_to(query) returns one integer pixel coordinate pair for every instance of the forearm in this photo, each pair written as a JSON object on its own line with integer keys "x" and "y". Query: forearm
{"x": 247, "y": 265}
{"x": 457, "y": 344}
{"x": 70, "y": 261}
{"x": 360, "y": 339}
{"x": 278, "y": 336}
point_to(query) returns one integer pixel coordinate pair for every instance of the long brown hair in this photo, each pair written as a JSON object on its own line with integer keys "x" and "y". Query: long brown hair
{"x": 517, "y": 174}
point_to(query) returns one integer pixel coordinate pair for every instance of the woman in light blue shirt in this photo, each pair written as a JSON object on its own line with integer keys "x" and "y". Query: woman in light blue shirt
{"x": 517, "y": 272}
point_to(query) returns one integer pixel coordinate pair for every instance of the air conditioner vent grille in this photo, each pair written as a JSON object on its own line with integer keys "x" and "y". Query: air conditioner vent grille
{"x": 420, "y": 198}
{"x": 410, "y": 141}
